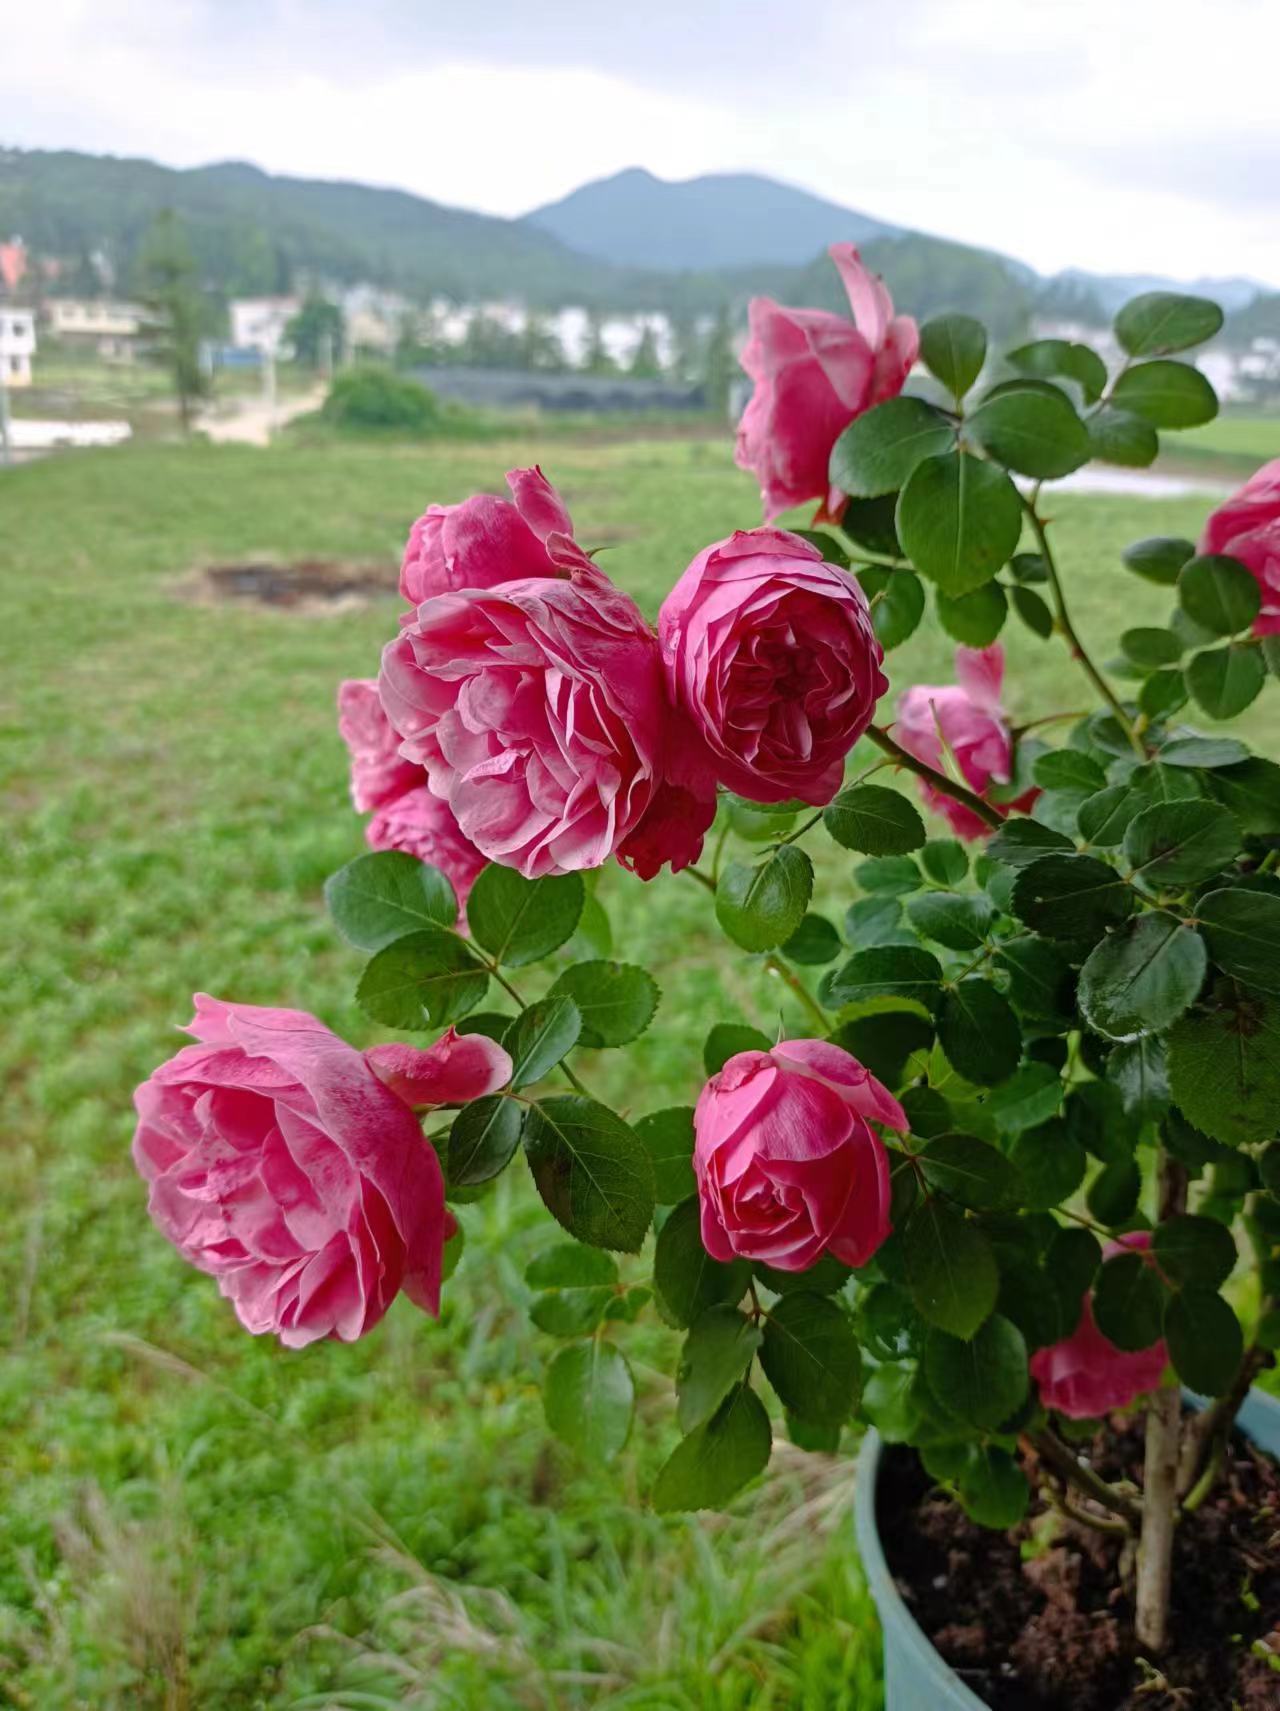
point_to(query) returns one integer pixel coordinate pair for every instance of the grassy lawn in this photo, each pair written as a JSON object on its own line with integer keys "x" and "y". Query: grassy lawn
{"x": 197, "y": 1518}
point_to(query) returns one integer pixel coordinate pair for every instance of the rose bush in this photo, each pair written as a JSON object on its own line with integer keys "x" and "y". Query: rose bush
{"x": 1005, "y": 1173}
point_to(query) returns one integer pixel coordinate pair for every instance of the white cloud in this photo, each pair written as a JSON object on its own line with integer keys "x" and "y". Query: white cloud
{"x": 1113, "y": 134}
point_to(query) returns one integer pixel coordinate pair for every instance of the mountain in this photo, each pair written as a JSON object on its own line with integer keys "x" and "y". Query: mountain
{"x": 1113, "y": 289}
{"x": 717, "y": 221}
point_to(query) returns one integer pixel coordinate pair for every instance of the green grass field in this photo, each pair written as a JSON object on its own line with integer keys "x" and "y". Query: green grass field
{"x": 196, "y": 1518}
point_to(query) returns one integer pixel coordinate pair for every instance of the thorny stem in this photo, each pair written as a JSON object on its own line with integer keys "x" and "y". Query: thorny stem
{"x": 1070, "y": 633}
{"x": 939, "y": 780}
{"x": 1057, "y": 1456}
{"x": 775, "y": 965}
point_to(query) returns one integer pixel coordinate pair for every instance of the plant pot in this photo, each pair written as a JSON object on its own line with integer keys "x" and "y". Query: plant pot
{"x": 915, "y": 1677}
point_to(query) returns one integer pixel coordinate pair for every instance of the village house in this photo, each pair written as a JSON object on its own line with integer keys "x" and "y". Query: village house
{"x": 17, "y": 344}
{"x": 111, "y": 329}
{"x": 259, "y": 323}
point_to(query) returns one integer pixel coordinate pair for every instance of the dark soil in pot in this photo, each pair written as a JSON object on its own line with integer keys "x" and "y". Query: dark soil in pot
{"x": 1038, "y": 1619}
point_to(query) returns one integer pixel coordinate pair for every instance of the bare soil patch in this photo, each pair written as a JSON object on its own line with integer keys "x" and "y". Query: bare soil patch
{"x": 308, "y": 585}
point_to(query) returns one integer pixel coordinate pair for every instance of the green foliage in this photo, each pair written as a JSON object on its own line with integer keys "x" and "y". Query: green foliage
{"x": 959, "y": 520}
{"x": 721, "y": 1345}
{"x": 589, "y": 1396}
{"x": 1035, "y": 433}
{"x": 423, "y": 979}
{"x": 1161, "y": 322}
{"x": 616, "y": 1000}
{"x": 687, "y": 1279}
{"x": 880, "y": 449}
{"x": 954, "y": 348}
{"x": 383, "y": 895}
{"x": 874, "y": 821}
{"x": 711, "y": 1465}
{"x": 811, "y": 1358}
{"x": 759, "y": 907}
{"x": 592, "y": 1173}
{"x": 520, "y": 920}
{"x": 375, "y": 400}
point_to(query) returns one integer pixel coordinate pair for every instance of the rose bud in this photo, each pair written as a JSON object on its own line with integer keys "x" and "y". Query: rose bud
{"x": 771, "y": 653}
{"x": 282, "y": 1163}
{"x": 788, "y": 1163}
{"x": 966, "y": 719}
{"x": 814, "y": 372}
{"x": 1247, "y": 528}
{"x": 1085, "y": 1375}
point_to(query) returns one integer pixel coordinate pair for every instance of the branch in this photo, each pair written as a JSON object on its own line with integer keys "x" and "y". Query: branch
{"x": 775, "y": 965}
{"x": 939, "y": 780}
{"x": 1208, "y": 1432}
{"x": 1055, "y": 1454}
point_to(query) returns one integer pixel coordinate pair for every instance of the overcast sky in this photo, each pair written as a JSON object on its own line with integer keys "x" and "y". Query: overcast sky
{"x": 1117, "y": 135}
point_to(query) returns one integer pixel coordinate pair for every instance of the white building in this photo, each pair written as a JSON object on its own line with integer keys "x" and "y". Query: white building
{"x": 258, "y": 323}
{"x": 17, "y": 345}
{"x": 373, "y": 319}
{"x": 111, "y": 328}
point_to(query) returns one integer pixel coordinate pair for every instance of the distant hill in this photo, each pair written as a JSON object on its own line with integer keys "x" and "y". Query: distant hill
{"x": 717, "y": 221}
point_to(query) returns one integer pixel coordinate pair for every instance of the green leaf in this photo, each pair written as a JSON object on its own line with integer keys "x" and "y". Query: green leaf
{"x": 970, "y": 1172}
{"x": 711, "y": 1465}
{"x": 1166, "y": 394}
{"x": 1021, "y": 841}
{"x": 868, "y": 523}
{"x": 1205, "y": 1342}
{"x": 826, "y": 1276}
{"x": 667, "y": 1137}
{"x": 1251, "y": 791}
{"x": 951, "y": 1270}
{"x": 484, "y": 1136}
{"x": 958, "y": 920}
{"x": 954, "y": 348}
{"x": 589, "y": 1398}
{"x": 1140, "y": 979}
{"x": 593, "y": 1174}
{"x": 814, "y": 942}
{"x": 1150, "y": 647}
{"x": 888, "y": 971}
{"x": 1226, "y": 680}
{"x": 992, "y": 1488}
{"x": 1128, "y": 1302}
{"x": 945, "y": 861}
{"x": 983, "y": 1380}
{"x": 875, "y": 920}
{"x": 593, "y": 936}
{"x": 760, "y": 822}
{"x": 1071, "y": 897}
{"x": 1041, "y": 984}
{"x": 1034, "y": 433}
{"x": 759, "y": 907}
{"x": 979, "y": 1032}
{"x": 1243, "y": 930}
{"x": 1158, "y": 558}
{"x": 894, "y": 875}
{"x": 1194, "y": 1250}
{"x": 1072, "y": 1260}
{"x": 727, "y": 1039}
{"x": 1163, "y": 693}
{"x": 1160, "y": 322}
{"x": 1139, "y": 1070}
{"x": 1219, "y": 594}
{"x": 879, "y": 449}
{"x": 519, "y": 920}
{"x": 685, "y": 1276}
{"x": 1029, "y": 1097}
{"x": 540, "y": 1036}
{"x": 1120, "y": 437}
{"x": 1104, "y": 818}
{"x": 1049, "y": 1162}
{"x": 616, "y": 1000}
{"x": 811, "y": 1358}
{"x": 427, "y": 978}
{"x": 1202, "y": 752}
{"x": 874, "y": 821}
{"x": 571, "y": 1312}
{"x": 1059, "y": 359}
{"x": 1113, "y": 1194}
{"x": 959, "y": 520}
{"x": 721, "y": 1345}
{"x": 897, "y": 603}
{"x": 826, "y": 544}
{"x": 1068, "y": 769}
{"x": 1033, "y": 612}
{"x": 569, "y": 1265}
{"x": 382, "y": 896}
{"x": 884, "y": 1043}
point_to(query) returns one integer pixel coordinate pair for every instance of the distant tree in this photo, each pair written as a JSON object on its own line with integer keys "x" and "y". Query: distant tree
{"x": 82, "y": 279}
{"x": 374, "y": 400}
{"x": 540, "y": 347}
{"x": 316, "y": 332}
{"x": 719, "y": 360}
{"x": 176, "y": 312}
{"x": 490, "y": 343}
{"x": 595, "y": 357}
{"x": 686, "y": 354}
{"x": 646, "y": 364}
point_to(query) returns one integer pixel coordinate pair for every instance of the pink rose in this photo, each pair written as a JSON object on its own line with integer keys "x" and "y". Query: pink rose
{"x": 966, "y": 720}
{"x": 537, "y": 709}
{"x": 485, "y": 541}
{"x": 771, "y": 653}
{"x": 814, "y": 372}
{"x": 788, "y": 1164}
{"x": 1085, "y": 1375}
{"x": 1247, "y": 527}
{"x": 281, "y": 1163}
{"x": 379, "y": 773}
{"x": 423, "y": 826}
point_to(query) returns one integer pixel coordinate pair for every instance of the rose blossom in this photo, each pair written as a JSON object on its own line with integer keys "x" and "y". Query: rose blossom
{"x": 965, "y": 718}
{"x": 1085, "y": 1374}
{"x": 379, "y": 773}
{"x": 485, "y": 541}
{"x": 772, "y": 654}
{"x": 282, "y": 1162}
{"x": 537, "y": 709}
{"x": 814, "y": 372}
{"x": 1247, "y": 527}
{"x": 788, "y": 1164}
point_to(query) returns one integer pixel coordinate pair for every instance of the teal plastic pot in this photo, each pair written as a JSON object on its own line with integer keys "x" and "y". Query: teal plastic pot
{"x": 915, "y": 1677}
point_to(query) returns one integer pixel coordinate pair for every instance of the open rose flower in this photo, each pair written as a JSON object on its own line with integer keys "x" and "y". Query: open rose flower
{"x": 771, "y": 653}
{"x": 1086, "y": 1375}
{"x": 485, "y": 541}
{"x": 537, "y": 709}
{"x": 290, "y": 1167}
{"x": 967, "y": 720}
{"x": 379, "y": 772}
{"x": 789, "y": 1165}
{"x": 814, "y": 372}
{"x": 1247, "y": 527}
